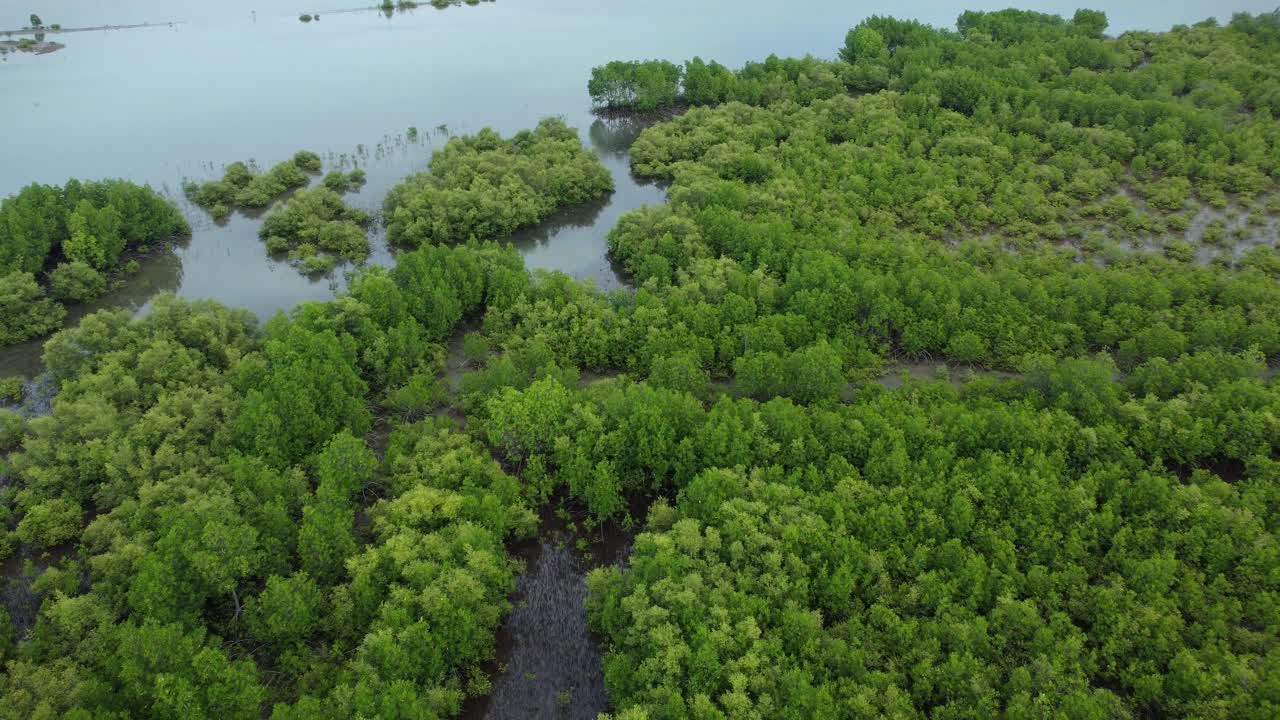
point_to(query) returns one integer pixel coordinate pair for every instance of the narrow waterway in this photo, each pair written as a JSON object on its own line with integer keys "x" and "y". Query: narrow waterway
{"x": 548, "y": 664}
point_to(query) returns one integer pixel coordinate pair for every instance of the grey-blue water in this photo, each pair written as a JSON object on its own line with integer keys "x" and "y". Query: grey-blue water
{"x": 244, "y": 79}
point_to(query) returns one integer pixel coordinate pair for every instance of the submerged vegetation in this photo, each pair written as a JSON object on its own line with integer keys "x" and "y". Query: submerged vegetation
{"x": 483, "y": 186}
{"x": 1093, "y": 535}
{"x": 74, "y": 235}
{"x": 241, "y": 186}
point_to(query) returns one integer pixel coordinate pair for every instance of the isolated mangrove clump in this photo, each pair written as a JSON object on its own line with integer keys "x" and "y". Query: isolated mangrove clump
{"x": 317, "y": 229}
{"x": 241, "y": 186}
{"x": 484, "y": 186}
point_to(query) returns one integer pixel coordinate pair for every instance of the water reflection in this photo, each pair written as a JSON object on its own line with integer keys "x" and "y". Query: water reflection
{"x": 224, "y": 85}
{"x": 549, "y": 666}
{"x": 160, "y": 271}
{"x": 614, "y": 136}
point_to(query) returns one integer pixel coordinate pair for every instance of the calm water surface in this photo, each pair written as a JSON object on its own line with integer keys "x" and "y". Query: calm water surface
{"x": 244, "y": 79}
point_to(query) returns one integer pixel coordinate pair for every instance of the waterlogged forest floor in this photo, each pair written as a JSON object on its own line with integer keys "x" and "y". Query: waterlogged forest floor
{"x": 548, "y": 662}
{"x": 1123, "y": 222}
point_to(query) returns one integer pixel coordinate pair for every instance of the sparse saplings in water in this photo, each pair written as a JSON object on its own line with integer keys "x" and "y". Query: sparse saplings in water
{"x": 341, "y": 182}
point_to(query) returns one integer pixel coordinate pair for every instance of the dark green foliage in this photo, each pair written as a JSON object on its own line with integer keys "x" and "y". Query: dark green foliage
{"x": 341, "y": 182}
{"x": 1091, "y": 536}
{"x": 484, "y": 187}
{"x": 337, "y": 181}
{"x": 76, "y": 281}
{"x": 264, "y": 188}
{"x": 640, "y": 85}
{"x": 33, "y": 225}
{"x": 25, "y": 311}
{"x": 653, "y": 85}
{"x": 92, "y": 222}
{"x": 304, "y": 388}
{"x": 287, "y": 611}
{"x": 13, "y": 427}
{"x": 307, "y": 160}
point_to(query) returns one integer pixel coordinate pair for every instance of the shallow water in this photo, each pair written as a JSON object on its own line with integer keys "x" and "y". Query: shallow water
{"x": 244, "y": 79}
{"x": 241, "y": 79}
{"x": 548, "y": 664}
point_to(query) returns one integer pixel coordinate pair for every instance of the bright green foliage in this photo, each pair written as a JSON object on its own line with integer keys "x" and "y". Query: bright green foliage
{"x": 317, "y": 221}
{"x": 343, "y": 468}
{"x": 136, "y": 400}
{"x": 325, "y": 539}
{"x": 76, "y": 282}
{"x": 946, "y": 555}
{"x": 483, "y": 187}
{"x": 304, "y": 388}
{"x": 12, "y": 389}
{"x": 198, "y": 679}
{"x": 640, "y": 85}
{"x": 1093, "y": 536}
{"x": 191, "y": 440}
{"x": 864, "y": 43}
{"x": 50, "y": 522}
{"x": 907, "y": 186}
{"x": 682, "y": 371}
{"x": 420, "y": 395}
{"x": 425, "y": 598}
{"x": 90, "y": 221}
{"x": 25, "y": 311}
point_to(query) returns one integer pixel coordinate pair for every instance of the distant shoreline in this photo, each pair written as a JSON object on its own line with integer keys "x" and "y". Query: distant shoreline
{"x": 48, "y": 31}
{"x": 40, "y": 48}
